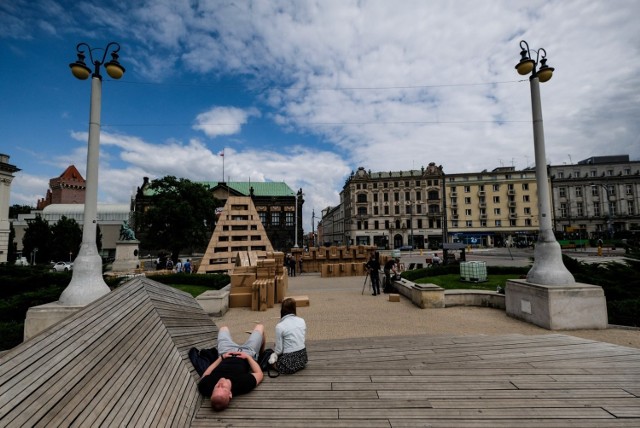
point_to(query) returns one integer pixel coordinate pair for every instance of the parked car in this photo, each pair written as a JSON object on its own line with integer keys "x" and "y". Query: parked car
{"x": 63, "y": 266}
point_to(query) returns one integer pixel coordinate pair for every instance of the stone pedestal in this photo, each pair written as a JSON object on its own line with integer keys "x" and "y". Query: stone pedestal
{"x": 215, "y": 302}
{"x": 557, "y": 307}
{"x": 126, "y": 256}
{"x": 41, "y": 317}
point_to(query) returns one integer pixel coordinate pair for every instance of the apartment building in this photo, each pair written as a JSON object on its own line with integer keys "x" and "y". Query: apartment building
{"x": 596, "y": 198}
{"x": 492, "y": 208}
{"x": 394, "y": 209}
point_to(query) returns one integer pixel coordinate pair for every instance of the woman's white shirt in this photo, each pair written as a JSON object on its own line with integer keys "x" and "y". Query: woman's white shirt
{"x": 290, "y": 334}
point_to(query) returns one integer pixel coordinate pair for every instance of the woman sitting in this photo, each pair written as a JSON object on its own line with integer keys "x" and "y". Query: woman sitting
{"x": 290, "y": 336}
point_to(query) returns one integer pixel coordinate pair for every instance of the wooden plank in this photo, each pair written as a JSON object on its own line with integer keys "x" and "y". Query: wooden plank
{"x": 507, "y": 394}
{"x": 516, "y": 422}
{"x": 474, "y": 414}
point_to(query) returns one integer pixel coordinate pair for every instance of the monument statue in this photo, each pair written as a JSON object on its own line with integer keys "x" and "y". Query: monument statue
{"x": 126, "y": 233}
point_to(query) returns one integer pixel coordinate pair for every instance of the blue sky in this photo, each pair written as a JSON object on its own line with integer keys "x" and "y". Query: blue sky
{"x": 307, "y": 91}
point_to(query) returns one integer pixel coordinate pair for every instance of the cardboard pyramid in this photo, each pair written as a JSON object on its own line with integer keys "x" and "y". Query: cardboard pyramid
{"x": 238, "y": 230}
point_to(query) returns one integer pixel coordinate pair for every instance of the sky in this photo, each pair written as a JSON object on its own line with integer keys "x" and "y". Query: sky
{"x": 306, "y": 92}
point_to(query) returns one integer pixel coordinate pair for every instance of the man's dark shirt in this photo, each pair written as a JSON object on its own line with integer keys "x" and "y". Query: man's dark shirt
{"x": 389, "y": 265}
{"x": 237, "y": 370}
{"x": 374, "y": 265}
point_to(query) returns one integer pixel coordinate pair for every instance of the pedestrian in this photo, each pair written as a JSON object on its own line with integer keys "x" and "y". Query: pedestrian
{"x": 179, "y": 266}
{"x": 187, "y": 266}
{"x": 292, "y": 263}
{"x": 300, "y": 265}
{"x": 373, "y": 269}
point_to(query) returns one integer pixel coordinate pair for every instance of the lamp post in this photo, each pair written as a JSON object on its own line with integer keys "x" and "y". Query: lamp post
{"x": 548, "y": 268}
{"x": 296, "y": 231}
{"x": 87, "y": 283}
{"x": 609, "y": 213}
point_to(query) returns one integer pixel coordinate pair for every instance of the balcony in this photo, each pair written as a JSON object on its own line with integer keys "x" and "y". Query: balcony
{"x": 482, "y": 204}
{"x": 483, "y": 216}
{"x": 511, "y": 192}
{"x": 512, "y": 204}
{"x": 481, "y": 192}
{"x": 513, "y": 216}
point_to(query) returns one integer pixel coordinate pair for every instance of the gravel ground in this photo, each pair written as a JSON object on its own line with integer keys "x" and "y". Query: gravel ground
{"x": 339, "y": 309}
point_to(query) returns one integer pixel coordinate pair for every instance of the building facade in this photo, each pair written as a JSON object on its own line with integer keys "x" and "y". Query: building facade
{"x": 68, "y": 188}
{"x": 492, "y": 208}
{"x": 279, "y": 207}
{"x": 394, "y": 209}
{"x": 597, "y": 198}
{"x": 6, "y": 177}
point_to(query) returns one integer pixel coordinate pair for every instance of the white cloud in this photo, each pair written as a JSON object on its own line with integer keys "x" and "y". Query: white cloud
{"x": 223, "y": 120}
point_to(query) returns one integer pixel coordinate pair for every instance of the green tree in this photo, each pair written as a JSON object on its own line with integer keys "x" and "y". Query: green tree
{"x": 38, "y": 236}
{"x": 181, "y": 216}
{"x": 66, "y": 239}
{"x": 15, "y": 209}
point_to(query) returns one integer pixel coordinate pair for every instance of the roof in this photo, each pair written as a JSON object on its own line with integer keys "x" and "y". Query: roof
{"x": 268, "y": 188}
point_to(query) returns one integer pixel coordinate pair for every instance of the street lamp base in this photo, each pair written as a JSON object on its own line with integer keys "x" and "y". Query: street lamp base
{"x": 86, "y": 283}
{"x": 548, "y": 268}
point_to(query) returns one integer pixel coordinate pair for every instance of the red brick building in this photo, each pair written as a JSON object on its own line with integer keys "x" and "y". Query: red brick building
{"x": 68, "y": 188}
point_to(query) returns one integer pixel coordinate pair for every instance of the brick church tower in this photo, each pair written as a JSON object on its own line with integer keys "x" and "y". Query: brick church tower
{"x": 68, "y": 188}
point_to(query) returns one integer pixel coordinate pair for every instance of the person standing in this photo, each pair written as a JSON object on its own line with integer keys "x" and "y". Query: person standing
{"x": 187, "y": 266}
{"x": 390, "y": 267}
{"x": 373, "y": 268}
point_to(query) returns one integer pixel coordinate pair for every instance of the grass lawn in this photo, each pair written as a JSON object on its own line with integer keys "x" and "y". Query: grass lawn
{"x": 452, "y": 282}
{"x": 194, "y": 290}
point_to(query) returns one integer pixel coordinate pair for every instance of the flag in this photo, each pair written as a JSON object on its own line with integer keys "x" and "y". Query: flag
{"x": 221, "y": 153}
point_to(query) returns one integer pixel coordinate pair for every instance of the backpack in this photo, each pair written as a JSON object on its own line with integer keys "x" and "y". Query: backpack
{"x": 263, "y": 362}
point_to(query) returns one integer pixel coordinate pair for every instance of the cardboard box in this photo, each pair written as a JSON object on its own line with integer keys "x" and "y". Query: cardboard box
{"x": 301, "y": 301}
{"x": 240, "y": 300}
{"x": 394, "y": 297}
{"x": 242, "y": 280}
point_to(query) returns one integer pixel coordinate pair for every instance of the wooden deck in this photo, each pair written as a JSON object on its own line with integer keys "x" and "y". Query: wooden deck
{"x": 122, "y": 361}
{"x": 480, "y": 381}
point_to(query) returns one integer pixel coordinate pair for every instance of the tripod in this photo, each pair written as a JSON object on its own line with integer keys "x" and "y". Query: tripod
{"x": 364, "y": 284}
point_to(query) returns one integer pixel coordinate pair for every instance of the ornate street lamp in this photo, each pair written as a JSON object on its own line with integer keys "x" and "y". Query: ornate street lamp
{"x": 548, "y": 268}
{"x": 87, "y": 283}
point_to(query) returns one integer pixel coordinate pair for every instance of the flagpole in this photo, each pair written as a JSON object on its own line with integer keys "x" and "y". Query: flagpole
{"x": 222, "y": 164}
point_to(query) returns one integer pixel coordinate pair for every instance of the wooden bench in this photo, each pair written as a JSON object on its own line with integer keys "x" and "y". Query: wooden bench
{"x": 121, "y": 361}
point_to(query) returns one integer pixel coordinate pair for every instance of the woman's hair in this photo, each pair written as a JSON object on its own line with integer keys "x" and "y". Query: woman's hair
{"x": 288, "y": 307}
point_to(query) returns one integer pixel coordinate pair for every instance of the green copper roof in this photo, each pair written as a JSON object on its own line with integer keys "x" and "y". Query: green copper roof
{"x": 270, "y": 188}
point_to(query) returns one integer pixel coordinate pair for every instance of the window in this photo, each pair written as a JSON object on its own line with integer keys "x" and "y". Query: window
{"x": 396, "y": 209}
{"x": 630, "y": 209}
{"x": 593, "y": 173}
{"x": 611, "y": 190}
{"x": 496, "y": 211}
{"x": 396, "y": 184}
{"x": 435, "y": 182}
{"x": 496, "y": 199}
{"x": 375, "y": 210}
{"x": 406, "y": 184}
{"x": 454, "y": 223}
{"x": 407, "y": 209}
{"x": 481, "y": 187}
{"x": 385, "y": 197}
{"x": 527, "y": 210}
{"x": 396, "y": 196}
{"x": 628, "y": 189}
{"x": 386, "y": 185}
{"x": 375, "y": 197}
{"x": 509, "y": 186}
{"x": 562, "y": 192}
{"x": 496, "y": 187}
{"x": 525, "y": 198}
{"x": 362, "y": 210}
{"x": 512, "y": 222}
{"x": 375, "y": 185}
{"x": 454, "y": 201}
{"x": 275, "y": 219}
{"x": 362, "y": 197}
{"x": 418, "y": 195}
{"x": 498, "y": 223}
{"x": 483, "y": 223}
{"x": 288, "y": 219}
{"x": 527, "y": 222}
{"x": 418, "y": 209}
{"x": 579, "y": 191}
{"x": 610, "y": 173}
{"x": 468, "y": 223}
{"x": 594, "y": 190}
{"x": 467, "y": 212}
{"x": 467, "y": 200}
{"x": 596, "y": 209}
{"x": 560, "y": 174}
{"x": 467, "y": 189}
{"x": 417, "y": 183}
{"x": 525, "y": 186}
{"x": 579, "y": 209}
{"x": 612, "y": 209}
{"x": 407, "y": 196}
{"x": 627, "y": 171}
{"x": 433, "y": 194}
{"x": 263, "y": 217}
{"x": 563, "y": 210}
{"x": 386, "y": 210}
{"x": 375, "y": 224}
